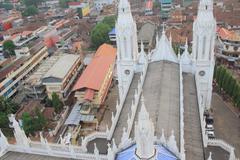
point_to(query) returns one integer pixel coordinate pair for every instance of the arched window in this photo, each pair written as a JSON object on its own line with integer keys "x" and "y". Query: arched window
{"x": 204, "y": 47}
{"x": 125, "y": 47}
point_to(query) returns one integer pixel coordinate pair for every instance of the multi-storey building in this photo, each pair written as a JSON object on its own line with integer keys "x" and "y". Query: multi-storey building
{"x": 13, "y": 74}
{"x": 92, "y": 87}
{"x": 60, "y": 77}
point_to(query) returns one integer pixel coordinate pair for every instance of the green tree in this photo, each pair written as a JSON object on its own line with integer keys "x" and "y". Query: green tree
{"x": 8, "y": 48}
{"x": 110, "y": 20}
{"x": 57, "y": 103}
{"x": 28, "y": 3}
{"x": 3, "y": 120}
{"x": 28, "y": 123}
{"x": 221, "y": 76}
{"x": 40, "y": 120}
{"x": 30, "y": 11}
{"x": 232, "y": 85}
{"x": 7, "y": 6}
{"x": 99, "y": 34}
{"x": 226, "y": 80}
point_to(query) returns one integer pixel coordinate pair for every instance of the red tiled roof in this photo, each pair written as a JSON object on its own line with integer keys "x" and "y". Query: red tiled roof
{"x": 228, "y": 35}
{"x": 93, "y": 76}
{"x": 74, "y": 3}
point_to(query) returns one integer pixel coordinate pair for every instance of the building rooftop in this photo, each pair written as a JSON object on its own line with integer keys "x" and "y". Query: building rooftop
{"x": 228, "y": 35}
{"x": 149, "y": 28}
{"x": 11, "y": 67}
{"x": 35, "y": 78}
{"x": 93, "y": 76}
{"x": 61, "y": 68}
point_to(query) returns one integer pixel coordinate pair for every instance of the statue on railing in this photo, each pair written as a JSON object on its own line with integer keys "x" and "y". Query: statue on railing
{"x": 3, "y": 143}
{"x": 19, "y": 133}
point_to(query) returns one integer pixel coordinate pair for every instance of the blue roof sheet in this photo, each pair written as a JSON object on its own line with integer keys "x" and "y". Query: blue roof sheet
{"x": 162, "y": 154}
{"x": 113, "y": 31}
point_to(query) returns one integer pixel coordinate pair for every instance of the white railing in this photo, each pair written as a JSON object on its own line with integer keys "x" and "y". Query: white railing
{"x": 220, "y": 143}
{"x": 57, "y": 150}
{"x": 60, "y": 122}
{"x": 182, "y": 142}
{"x": 136, "y": 99}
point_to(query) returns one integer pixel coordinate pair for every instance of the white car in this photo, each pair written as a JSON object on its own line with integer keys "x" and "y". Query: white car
{"x": 210, "y": 134}
{"x": 209, "y": 127}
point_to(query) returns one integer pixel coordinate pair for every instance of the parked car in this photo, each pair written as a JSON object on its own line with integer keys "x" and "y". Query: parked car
{"x": 209, "y": 120}
{"x": 209, "y": 127}
{"x": 210, "y": 134}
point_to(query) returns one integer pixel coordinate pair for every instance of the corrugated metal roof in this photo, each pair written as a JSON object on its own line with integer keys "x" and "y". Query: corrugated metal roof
{"x": 75, "y": 116}
{"x": 93, "y": 76}
{"x": 61, "y": 68}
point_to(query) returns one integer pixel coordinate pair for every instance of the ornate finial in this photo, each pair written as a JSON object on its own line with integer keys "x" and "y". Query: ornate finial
{"x": 162, "y": 138}
{"x": 163, "y": 31}
{"x": 142, "y": 46}
{"x": 186, "y": 44}
{"x": 142, "y": 99}
{"x": 96, "y": 151}
{"x": 210, "y": 156}
{"x": 114, "y": 145}
{"x": 172, "y": 144}
{"x": 170, "y": 39}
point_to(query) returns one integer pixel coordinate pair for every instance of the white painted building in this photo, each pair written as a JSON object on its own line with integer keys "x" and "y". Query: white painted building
{"x": 99, "y": 4}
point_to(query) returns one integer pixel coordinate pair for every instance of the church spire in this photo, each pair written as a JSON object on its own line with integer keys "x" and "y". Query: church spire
{"x": 127, "y": 46}
{"x": 204, "y": 34}
{"x": 124, "y": 7}
{"x": 144, "y": 134}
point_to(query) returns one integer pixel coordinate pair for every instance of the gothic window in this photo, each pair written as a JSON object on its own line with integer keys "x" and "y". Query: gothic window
{"x": 210, "y": 49}
{"x": 131, "y": 46}
{"x": 206, "y": 7}
{"x": 125, "y": 47}
{"x": 204, "y": 47}
{"x": 197, "y": 48}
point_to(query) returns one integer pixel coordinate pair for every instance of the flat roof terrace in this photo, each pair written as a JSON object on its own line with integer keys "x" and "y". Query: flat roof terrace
{"x": 161, "y": 94}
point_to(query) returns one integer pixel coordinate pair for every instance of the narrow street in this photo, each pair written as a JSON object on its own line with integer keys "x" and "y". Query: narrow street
{"x": 226, "y": 123}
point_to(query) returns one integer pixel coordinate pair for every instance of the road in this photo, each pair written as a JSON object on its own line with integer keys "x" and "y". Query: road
{"x": 226, "y": 123}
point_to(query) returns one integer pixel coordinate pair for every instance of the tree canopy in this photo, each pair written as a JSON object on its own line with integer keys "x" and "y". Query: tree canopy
{"x": 228, "y": 83}
{"x": 30, "y": 11}
{"x": 6, "y": 5}
{"x": 28, "y": 3}
{"x": 7, "y": 106}
{"x": 8, "y": 48}
{"x": 31, "y": 124}
{"x": 56, "y": 103}
{"x": 99, "y": 34}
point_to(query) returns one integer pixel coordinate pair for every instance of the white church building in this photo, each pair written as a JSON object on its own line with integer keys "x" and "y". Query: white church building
{"x": 162, "y": 97}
